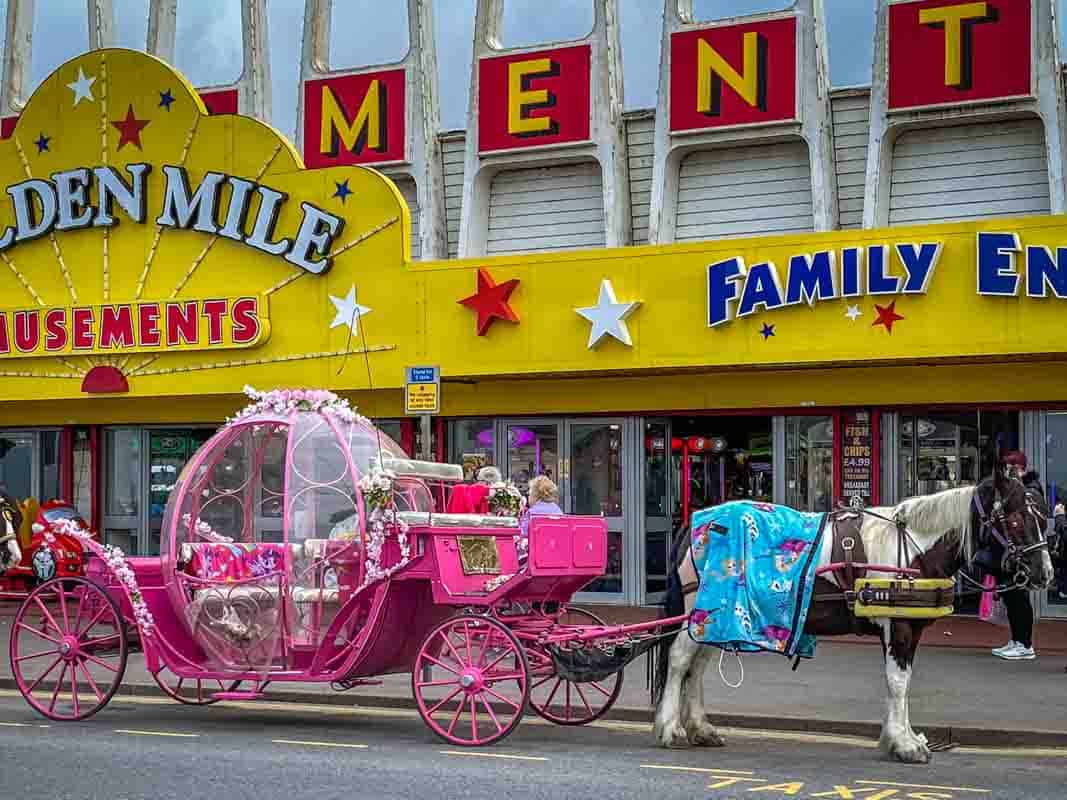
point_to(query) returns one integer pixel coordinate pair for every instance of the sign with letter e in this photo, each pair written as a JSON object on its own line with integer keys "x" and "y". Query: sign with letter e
{"x": 422, "y": 390}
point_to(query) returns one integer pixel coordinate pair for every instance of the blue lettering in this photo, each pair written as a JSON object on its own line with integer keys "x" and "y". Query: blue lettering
{"x": 811, "y": 278}
{"x": 919, "y": 262}
{"x": 997, "y": 275}
{"x": 851, "y": 264}
{"x": 761, "y": 289}
{"x": 722, "y": 289}
{"x": 877, "y": 281}
{"x": 1042, "y": 270}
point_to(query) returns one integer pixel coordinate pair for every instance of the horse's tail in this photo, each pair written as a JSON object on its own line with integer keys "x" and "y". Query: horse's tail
{"x": 673, "y": 606}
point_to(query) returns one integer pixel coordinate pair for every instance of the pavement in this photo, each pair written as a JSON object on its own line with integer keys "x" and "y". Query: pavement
{"x": 963, "y": 695}
{"x": 147, "y": 749}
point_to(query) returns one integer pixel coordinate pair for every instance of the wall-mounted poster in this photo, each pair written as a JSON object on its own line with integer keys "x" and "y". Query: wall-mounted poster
{"x": 859, "y": 462}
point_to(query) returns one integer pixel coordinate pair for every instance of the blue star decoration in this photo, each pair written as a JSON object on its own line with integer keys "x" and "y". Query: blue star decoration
{"x": 767, "y": 331}
{"x": 165, "y": 99}
{"x": 42, "y": 143}
{"x": 342, "y": 190}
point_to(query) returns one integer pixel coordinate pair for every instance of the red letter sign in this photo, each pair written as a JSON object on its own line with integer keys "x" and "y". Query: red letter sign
{"x": 355, "y": 119}
{"x": 729, "y": 75}
{"x": 944, "y": 52}
{"x": 534, "y": 99}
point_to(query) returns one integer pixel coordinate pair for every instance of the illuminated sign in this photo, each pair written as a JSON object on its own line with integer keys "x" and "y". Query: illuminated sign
{"x": 946, "y": 52}
{"x": 216, "y": 323}
{"x": 534, "y": 99}
{"x": 63, "y": 203}
{"x": 355, "y": 119}
{"x": 730, "y": 75}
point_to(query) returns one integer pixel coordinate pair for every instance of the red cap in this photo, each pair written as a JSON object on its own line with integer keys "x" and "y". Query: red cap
{"x": 1016, "y": 457}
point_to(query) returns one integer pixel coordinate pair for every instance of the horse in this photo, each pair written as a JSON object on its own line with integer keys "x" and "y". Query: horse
{"x": 936, "y": 534}
{"x": 10, "y": 552}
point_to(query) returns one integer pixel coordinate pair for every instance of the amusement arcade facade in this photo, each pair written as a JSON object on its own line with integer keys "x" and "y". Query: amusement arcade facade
{"x": 765, "y": 287}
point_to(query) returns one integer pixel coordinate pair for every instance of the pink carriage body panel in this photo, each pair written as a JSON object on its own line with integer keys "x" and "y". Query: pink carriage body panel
{"x": 575, "y": 546}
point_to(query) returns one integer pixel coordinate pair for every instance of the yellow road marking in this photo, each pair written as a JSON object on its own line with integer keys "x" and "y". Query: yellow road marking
{"x": 924, "y": 786}
{"x": 699, "y": 769}
{"x": 320, "y": 744}
{"x": 491, "y": 755}
{"x": 158, "y": 733}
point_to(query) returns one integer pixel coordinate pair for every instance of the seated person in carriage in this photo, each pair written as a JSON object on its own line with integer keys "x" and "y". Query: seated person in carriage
{"x": 474, "y": 498}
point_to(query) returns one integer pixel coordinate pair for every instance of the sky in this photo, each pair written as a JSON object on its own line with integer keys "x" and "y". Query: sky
{"x": 368, "y": 32}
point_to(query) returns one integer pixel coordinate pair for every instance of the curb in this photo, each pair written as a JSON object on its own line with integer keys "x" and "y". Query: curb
{"x": 964, "y": 736}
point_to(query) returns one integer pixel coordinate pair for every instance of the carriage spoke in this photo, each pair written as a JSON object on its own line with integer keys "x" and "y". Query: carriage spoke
{"x": 433, "y": 710}
{"x": 20, "y": 659}
{"x": 55, "y": 693}
{"x": 497, "y": 660}
{"x": 581, "y": 694}
{"x": 492, "y": 716}
{"x": 552, "y": 696}
{"x": 48, "y": 616}
{"x": 92, "y": 683}
{"x": 441, "y": 664}
{"x": 600, "y": 688}
{"x": 36, "y": 632}
{"x": 61, "y": 592}
{"x": 103, "y": 610}
{"x": 467, "y": 637}
{"x": 459, "y": 712}
{"x": 507, "y": 676}
{"x": 74, "y": 687}
{"x": 501, "y": 698}
{"x": 543, "y": 681}
{"x": 448, "y": 641}
{"x": 567, "y": 703}
{"x": 421, "y": 684}
{"x": 99, "y": 640}
{"x": 44, "y": 675}
{"x": 78, "y": 615}
{"x": 100, "y": 663}
{"x": 474, "y": 717}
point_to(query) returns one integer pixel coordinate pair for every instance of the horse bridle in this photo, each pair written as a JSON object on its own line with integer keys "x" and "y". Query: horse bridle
{"x": 1014, "y": 561}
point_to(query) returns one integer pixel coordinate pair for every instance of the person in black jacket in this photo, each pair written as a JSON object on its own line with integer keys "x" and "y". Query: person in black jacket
{"x": 1017, "y": 601}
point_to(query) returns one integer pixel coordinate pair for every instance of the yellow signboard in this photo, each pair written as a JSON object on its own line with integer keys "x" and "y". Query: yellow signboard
{"x": 422, "y": 398}
{"x": 213, "y": 221}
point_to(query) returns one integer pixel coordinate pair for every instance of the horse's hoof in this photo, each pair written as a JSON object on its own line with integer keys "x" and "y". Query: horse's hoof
{"x": 673, "y": 740}
{"x": 913, "y": 752}
{"x": 707, "y": 740}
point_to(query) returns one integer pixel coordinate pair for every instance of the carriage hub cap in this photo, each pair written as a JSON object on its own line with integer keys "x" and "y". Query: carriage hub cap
{"x": 471, "y": 681}
{"x": 68, "y": 648}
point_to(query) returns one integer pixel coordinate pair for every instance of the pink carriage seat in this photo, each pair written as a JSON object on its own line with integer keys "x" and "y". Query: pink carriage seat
{"x": 214, "y": 561}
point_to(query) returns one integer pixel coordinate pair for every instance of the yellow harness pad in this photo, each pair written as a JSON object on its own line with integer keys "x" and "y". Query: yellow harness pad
{"x": 921, "y": 598}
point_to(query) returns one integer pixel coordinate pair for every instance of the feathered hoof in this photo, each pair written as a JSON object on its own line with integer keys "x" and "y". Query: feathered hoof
{"x": 674, "y": 738}
{"x": 907, "y": 751}
{"x": 704, "y": 735}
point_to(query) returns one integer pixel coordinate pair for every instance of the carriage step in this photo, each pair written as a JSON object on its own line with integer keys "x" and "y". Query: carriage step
{"x": 238, "y": 696}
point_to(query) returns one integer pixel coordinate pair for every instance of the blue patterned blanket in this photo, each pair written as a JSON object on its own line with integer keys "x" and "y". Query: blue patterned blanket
{"x": 756, "y": 565}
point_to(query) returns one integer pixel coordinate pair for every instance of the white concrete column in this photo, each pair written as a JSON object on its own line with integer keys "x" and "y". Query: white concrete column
{"x": 18, "y": 52}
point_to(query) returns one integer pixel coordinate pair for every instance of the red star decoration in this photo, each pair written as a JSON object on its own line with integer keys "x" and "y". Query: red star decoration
{"x": 130, "y": 129}
{"x": 491, "y": 301}
{"x": 887, "y": 315}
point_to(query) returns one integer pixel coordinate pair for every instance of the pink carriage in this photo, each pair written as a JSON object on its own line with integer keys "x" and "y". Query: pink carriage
{"x": 300, "y": 544}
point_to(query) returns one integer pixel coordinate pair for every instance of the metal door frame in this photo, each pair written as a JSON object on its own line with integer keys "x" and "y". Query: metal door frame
{"x": 644, "y": 597}
{"x": 34, "y": 435}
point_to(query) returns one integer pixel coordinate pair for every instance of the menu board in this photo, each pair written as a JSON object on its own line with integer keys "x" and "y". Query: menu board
{"x": 857, "y": 459}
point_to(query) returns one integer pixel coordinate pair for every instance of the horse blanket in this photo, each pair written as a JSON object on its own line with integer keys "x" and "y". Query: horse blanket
{"x": 756, "y": 564}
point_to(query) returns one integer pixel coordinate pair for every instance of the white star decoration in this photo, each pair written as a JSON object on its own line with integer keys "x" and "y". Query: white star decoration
{"x": 853, "y": 312}
{"x": 348, "y": 310}
{"x": 82, "y": 88}
{"x": 608, "y": 316}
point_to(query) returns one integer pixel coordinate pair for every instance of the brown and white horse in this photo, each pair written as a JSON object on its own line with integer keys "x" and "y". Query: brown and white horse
{"x": 945, "y": 529}
{"x": 10, "y": 522}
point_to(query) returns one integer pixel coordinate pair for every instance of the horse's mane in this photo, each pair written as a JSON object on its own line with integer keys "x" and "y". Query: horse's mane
{"x": 934, "y": 516}
{"x": 938, "y": 514}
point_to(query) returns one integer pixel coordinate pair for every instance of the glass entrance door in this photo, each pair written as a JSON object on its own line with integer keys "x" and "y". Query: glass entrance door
{"x": 168, "y": 451}
{"x": 659, "y": 503}
{"x": 16, "y": 464}
{"x": 593, "y": 482}
{"x": 533, "y": 448}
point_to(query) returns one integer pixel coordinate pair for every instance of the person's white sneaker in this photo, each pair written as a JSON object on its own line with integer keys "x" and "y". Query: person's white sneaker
{"x": 1000, "y": 651}
{"x": 1019, "y": 653}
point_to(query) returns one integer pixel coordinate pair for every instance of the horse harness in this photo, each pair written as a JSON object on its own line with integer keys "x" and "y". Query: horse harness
{"x": 849, "y": 566}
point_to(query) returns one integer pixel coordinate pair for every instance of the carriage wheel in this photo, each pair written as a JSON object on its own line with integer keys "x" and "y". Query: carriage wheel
{"x": 471, "y": 681}
{"x": 68, "y": 648}
{"x": 562, "y": 701}
{"x": 191, "y": 691}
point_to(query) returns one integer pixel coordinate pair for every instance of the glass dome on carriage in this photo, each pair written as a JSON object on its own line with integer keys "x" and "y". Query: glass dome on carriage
{"x": 284, "y": 471}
